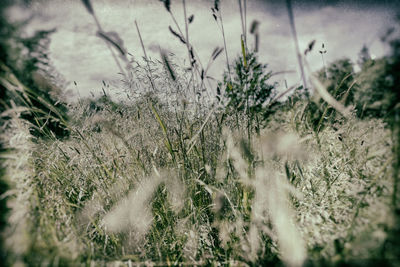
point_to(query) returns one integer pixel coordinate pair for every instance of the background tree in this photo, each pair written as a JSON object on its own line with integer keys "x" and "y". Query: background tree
{"x": 373, "y": 96}
{"x": 363, "y": 56}
{"x": 339, "y": 83}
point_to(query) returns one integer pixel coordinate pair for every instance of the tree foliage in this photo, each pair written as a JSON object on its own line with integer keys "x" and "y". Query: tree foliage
{"x": 338, "y": 80}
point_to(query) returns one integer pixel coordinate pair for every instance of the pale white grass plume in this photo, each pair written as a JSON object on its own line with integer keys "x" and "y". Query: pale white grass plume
{"x": 133, "y": 211}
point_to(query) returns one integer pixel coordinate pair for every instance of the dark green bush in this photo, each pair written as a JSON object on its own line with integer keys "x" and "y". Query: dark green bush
{"x": 249, "y": 89}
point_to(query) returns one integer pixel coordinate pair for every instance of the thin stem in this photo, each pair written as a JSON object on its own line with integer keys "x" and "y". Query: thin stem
{"x": 194, "y": 52}
{"x": 226, "y": 50}
{"x": 296, "y": 42}
{"x": 187, "y": 34}
{"x": 245, "y": 21}
{"x": 187, "y": 43}
{"x": 323, "y": 63}
{"x": 242, "y": 20}
{"x": 186, "y": 27}
{"x": 145, "y": 56}
{"x": 109, "y": 47}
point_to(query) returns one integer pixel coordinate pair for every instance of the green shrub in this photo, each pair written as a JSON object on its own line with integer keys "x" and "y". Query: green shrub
{"x": 249, "y": 90}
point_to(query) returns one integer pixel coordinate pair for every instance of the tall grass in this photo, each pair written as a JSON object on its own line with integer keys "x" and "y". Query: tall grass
{"x": 166, "y": 179}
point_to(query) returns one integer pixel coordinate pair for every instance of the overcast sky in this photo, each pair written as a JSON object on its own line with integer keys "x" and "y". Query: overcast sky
{"x": 343, "y": 26}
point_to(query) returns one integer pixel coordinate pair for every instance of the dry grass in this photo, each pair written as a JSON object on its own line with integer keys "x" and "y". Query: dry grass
{"x": 114, "y": 190}
{"x": 179, "y": 181}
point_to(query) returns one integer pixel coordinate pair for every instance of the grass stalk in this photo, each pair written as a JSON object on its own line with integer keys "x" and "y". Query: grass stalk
{"x": 225, "y": 47}
{"x": 146, "y": 58}
{"x": 296, "y": 42}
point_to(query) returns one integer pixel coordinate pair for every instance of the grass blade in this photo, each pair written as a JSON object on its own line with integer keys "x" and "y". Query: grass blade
{"x": 243, "y": 52}
{"x": 164, "y": 130}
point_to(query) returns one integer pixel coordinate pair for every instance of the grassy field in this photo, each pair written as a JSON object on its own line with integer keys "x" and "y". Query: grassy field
{"x": 183, "y": 173}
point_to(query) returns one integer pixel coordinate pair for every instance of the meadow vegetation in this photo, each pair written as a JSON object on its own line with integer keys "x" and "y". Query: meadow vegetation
{"x": 185, "y": 172}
